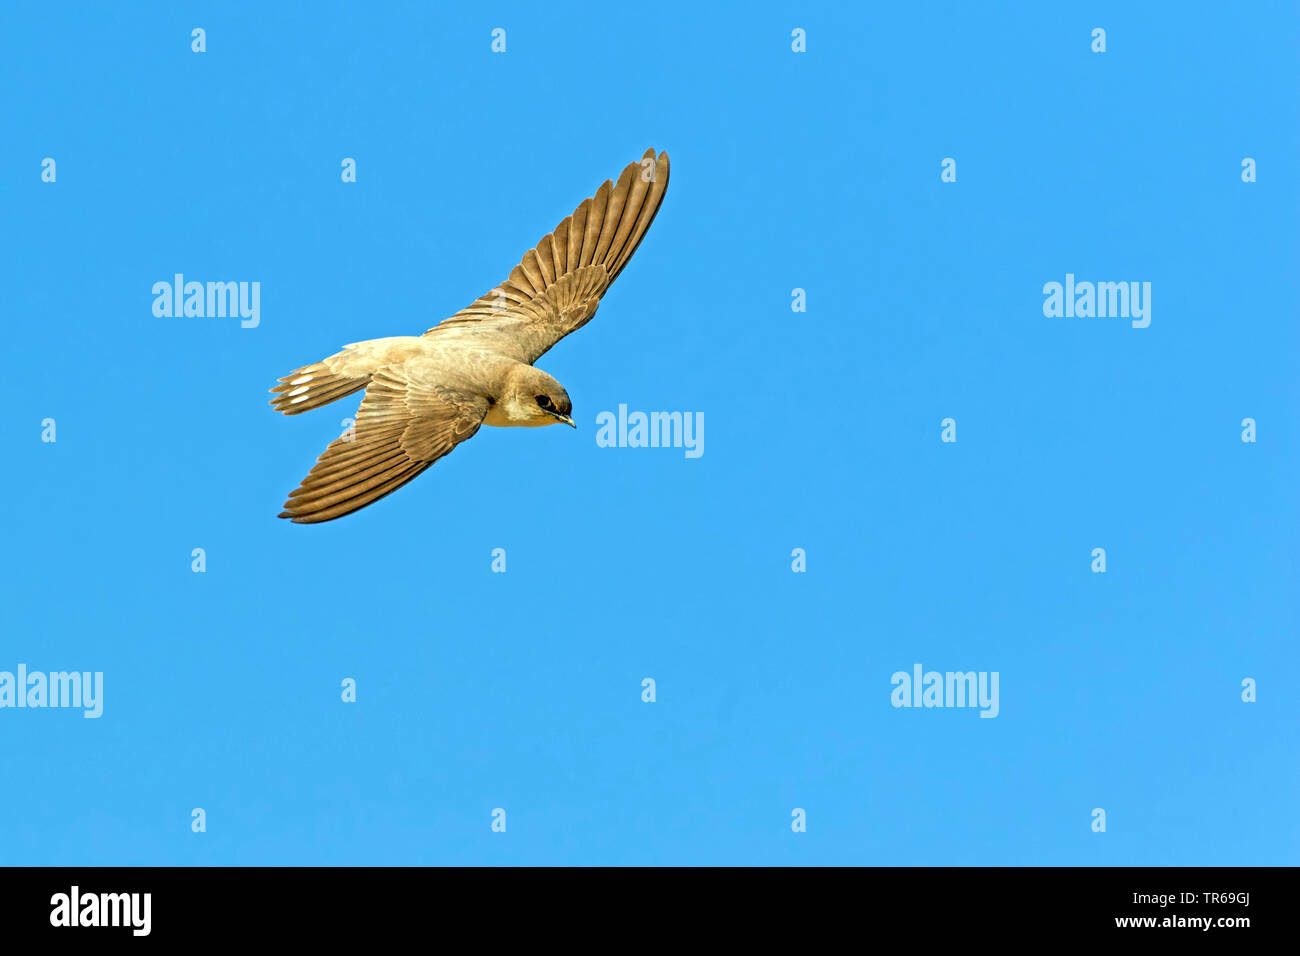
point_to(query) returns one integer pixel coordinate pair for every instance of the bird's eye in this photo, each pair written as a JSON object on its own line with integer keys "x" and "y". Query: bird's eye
{"x": 544, "y": 401}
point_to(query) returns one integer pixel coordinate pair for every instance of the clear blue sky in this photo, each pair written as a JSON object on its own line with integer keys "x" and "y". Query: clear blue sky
{"x": 819, "y": 171}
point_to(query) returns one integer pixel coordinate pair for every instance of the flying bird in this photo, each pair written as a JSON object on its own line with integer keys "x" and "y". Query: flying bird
{"x": 425, "y": 394}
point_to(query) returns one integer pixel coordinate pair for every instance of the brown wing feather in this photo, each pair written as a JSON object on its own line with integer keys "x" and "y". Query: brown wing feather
{"x": 402, "y": 428}
{"x": 536, "y": 306}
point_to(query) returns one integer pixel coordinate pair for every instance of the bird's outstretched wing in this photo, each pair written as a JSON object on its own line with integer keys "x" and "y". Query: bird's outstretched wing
{"x": 558, "y": 285}
{"x": 402, "y": 428}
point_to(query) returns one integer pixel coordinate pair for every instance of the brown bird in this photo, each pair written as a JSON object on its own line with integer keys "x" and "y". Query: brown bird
{"x": 426, "y": 394}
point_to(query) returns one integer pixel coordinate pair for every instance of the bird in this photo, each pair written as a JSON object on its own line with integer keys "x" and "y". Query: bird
{"x": 426, "y": 394}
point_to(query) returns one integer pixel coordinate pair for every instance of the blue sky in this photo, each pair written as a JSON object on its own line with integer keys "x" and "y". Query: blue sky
{"x": 818, "y": 171}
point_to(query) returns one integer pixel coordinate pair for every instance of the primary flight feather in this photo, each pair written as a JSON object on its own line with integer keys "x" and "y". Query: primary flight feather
{"x": 426, "y": 394}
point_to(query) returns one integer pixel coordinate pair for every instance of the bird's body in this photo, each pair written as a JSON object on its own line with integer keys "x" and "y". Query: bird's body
{"x": 426, "y": 394}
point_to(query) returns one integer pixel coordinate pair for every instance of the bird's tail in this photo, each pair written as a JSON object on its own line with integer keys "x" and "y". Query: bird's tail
{"x": 313, "y": 386}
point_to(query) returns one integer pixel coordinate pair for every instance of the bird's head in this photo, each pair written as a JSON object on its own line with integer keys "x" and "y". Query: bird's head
{"x": 534, "y": 398}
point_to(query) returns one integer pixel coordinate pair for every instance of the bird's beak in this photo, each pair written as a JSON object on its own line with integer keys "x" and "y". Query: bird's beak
{"x": 564, "y": 418}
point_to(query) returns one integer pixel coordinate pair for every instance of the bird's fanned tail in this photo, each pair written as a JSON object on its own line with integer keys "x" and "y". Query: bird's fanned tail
{"x": 313, "y": 386}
